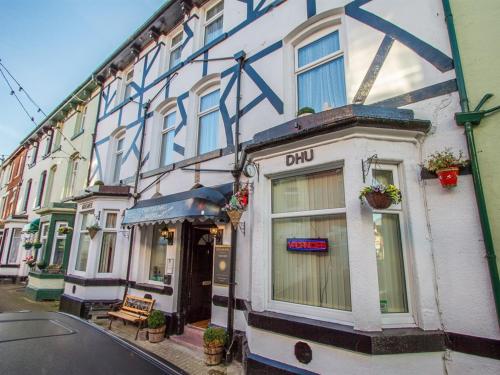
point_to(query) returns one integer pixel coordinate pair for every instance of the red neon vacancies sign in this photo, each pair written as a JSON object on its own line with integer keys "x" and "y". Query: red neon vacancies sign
{"x": 307, "y": 244}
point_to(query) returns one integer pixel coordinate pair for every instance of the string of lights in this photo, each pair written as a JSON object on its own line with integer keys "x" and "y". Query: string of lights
{"x": 13, "y": 93}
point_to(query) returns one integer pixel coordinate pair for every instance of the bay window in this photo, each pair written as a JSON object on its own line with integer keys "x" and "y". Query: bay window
{"x": 44, "y": 234}
{"x": 208, "y": 122}
{"x": 308, "y": 208}
{"x": 167, "y": 139}
{"x": 158, "y": 258}
{"x": 83, "y": 243}
{"x": 214, "y": 18}
{"x": 108, "y": 244}
{"x": 15, "y": 242}
{"x": 59, "y": 245}
{"x": 319, "y": 70}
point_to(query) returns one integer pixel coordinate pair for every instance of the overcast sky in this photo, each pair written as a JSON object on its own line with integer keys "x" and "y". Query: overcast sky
{"x": 51, "y": 46}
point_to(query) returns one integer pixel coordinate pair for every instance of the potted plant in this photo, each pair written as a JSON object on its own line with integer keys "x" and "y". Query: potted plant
{"x": 54, "y": 268}
{"x": 93, "y": 229}
{"x": 64, "y": 230}
{"x": 214, "y": 339}
{"x": 156, "y": 326}
{"x": 41, "y": 265}
{"x": 380, "y": 196}
{"x": 446, "y": 165}
{"x": 98, "y": 183}
{"x": 37, "y": 244}
{"x": 28, "y": 245}
{"x": 305, "y": 111}
{"x": 237, "y": 204}
{"x": 30, "y": 261}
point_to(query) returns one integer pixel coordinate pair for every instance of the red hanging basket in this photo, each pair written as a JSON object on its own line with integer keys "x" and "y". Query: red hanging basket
{"x": 377, "y": 200}
{"x": 448, "y": 177}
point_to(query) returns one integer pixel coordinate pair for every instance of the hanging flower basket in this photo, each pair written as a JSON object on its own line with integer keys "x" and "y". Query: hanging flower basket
{"x": 448, "y": 177}
{"x": 446, "y": 166}
{"x": 28, "y": 245}
{"x": 37, "y": 245}
{"x": 64, "y": 230}
{"x": 234, "y": 217}
{"x": 380, "y": 197}
{"x": 93, "y": 230}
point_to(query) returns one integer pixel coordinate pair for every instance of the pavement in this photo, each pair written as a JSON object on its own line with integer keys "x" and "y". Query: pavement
{"x": 189, "y": 359}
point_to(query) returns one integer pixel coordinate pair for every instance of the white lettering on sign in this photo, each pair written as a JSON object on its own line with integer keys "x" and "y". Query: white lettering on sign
{"x": 299, "y": 157}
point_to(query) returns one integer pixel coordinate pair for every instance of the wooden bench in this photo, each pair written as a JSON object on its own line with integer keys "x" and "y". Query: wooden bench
{"x": 133, "y": 309}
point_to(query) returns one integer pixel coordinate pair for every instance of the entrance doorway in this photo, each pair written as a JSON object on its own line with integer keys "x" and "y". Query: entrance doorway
{"x": 198, "y": 278}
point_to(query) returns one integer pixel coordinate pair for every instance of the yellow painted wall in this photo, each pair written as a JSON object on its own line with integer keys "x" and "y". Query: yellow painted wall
{"x": 478, "y": 32}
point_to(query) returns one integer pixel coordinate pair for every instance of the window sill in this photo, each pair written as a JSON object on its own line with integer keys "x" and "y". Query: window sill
{"x": 166, "y": 290}
{"x": 75, "y": 136}
{"x": 388, "y": 341}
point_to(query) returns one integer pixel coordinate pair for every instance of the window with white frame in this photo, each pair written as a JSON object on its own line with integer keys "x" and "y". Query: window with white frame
{"x": 118, "y": 158}
{"x": 48, "y": 142}
{"x": 167, "y": 138}
{"x": 208, "y": 122}
{"x": 50, "y": 184}
{"x": 389, "y": 247}
{"x": 157, "y": 261}
{"x": 80, "y": 120}
{"x": 310, "y": 207}
{"x": 108, "y": 244}
{"x": 44, "y": 234}
{"x": 214, "y": 18}
{"x": 319, "y": 70}
{"x": 15, "y": 242}
{"x": 83, "y": 242}
{"x": 27, "y": 191}
{"x": 129, "y": 78}
{"x": 175, "y": 50}
{"x": 72, "y": 174}
{"x": 41, "y": 188}
{"x": 57, "y": 256}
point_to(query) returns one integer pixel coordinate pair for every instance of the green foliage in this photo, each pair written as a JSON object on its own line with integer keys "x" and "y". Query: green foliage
{"x": 444, "y": 159}
{"x": 390, "y": 190}
{"x": 156, "y": 319}
{"x": 215, "y": 336}
{"x": 42, "y": 265}
{"x": 28, "y": 245}
{"x": 94, "y": 227}
{"x": 98, "y": 183}
{"x": 305, "y": 110}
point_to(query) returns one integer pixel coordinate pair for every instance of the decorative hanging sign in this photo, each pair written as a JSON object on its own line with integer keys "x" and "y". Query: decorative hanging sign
{"x": 313, "y": 245}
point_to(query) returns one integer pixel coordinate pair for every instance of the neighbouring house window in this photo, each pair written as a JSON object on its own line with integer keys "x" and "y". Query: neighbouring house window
{"x": 59, "y": 245}
{"x": 175, "y": 50}
{"x": 50, "y": 185}
{"x": 129, "y": 79}
{"x": 389, "y": 248}
{"x": 213, "y": 22}
{"x": 80, "y": 120}
{"x": 44, "y": 233}
{"x": 41, "y": 188}
{"x": 108, "y": 244}
{"x": 34, "y": 153}
{"x": 48, "y": 143}
{"x": 83, "y": 243}
{"x": 118, "y": 159}
{"x": 15, "y": 241}
{"x": 27, "y": 191}
{"x": 57, "y": 138}
{"x": 167, "y": 139}
{"x": 310, "y": 206}
{"x": 72, "y": 175}
{"x": 208, "y": 115}
{"x": 319, "y": 68}
{"x": 158, "y": 255}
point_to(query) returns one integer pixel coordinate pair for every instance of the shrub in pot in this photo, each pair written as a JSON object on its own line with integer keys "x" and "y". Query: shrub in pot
{"x": 41, "y": 265}
{"x": 446, "y": 165}
{"x": 304, "y": 111}
{"x": 214, "y": 339}
{"x": 380, "y": 196}
{"x": 156, "y": 326}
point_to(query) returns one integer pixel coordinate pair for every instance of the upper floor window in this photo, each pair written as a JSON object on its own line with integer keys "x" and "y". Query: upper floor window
{"x": 26, "y": 197}
{"x": 167, "y": 139}
{"x": 80, "y": 120}
{"x": 208, "y": 122}
{"x": 319, "y": 67}
{"x": 57, "y": 138}
{"x": 175, "y": 50}
{"x": 72, "y": 175}
{"x": 34, "y": 153}
{"x": 129, "y": 78}
{"x": 50, "y": 185}
{"x": 48, "y": 143}
{"x": 41, "y": 188}
{"x": 213, "y": 22}
{"x": 118, "y": 157}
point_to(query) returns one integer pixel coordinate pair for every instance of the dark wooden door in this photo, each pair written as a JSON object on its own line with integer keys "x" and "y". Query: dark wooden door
{"x": 200, "y": 291}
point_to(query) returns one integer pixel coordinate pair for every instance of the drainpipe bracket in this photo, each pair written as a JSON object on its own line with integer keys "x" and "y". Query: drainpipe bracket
{"x": 472, "y": 117}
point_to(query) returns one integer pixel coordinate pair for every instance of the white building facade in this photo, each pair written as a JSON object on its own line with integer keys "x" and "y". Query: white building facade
{"x": 404, "y": 289}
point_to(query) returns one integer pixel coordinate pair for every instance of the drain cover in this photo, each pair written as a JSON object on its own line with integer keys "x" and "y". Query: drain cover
{"x": 13, "y": 330}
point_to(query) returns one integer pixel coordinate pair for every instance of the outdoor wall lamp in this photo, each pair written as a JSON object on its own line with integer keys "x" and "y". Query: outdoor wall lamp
{"x": 168, "y": 235}
{"x": 217, "y": 234}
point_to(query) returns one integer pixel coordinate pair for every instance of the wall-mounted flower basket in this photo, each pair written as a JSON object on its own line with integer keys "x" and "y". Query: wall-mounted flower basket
{"x": 237, "y": 204}
{"x": 28, "y": 245}
{"x": 446, "y": 166}
{"x": 64, "y": 230}
{"x": 93, "y": 230}
{"x": 380, "y": 197}
{"x": 37, "y": 245}
{"x": 234, "y": 217}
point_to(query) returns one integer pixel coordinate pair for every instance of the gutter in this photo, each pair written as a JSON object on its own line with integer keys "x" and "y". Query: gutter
{"x": 468, "y": 119}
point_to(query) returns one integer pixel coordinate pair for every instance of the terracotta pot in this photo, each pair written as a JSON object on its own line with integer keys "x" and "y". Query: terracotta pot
{"x": 156, "y": 334}
{"x": 448, "y": 177}
{"x": 378, "y": 200}
{"x": 213, "y": 354}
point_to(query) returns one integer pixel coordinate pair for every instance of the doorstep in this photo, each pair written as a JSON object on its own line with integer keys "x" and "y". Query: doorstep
{"x": 187, "y": 358}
